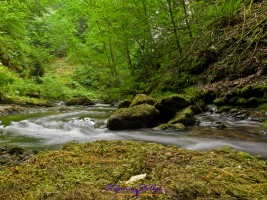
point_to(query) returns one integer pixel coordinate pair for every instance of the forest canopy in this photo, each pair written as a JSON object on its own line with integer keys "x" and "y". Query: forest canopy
{"x": 116, "y": 44}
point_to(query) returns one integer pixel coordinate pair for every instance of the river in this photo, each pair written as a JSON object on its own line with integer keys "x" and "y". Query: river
{"x": 49, "y": 130}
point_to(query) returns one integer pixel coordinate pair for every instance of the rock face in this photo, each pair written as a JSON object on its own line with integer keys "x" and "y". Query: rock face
{"x": 138, "y": 116}
{"x": 170, "y": 105}
{"x": 84, "y": 101}
{"x": 185, "y": 117}
{"x": 141, "y": 99}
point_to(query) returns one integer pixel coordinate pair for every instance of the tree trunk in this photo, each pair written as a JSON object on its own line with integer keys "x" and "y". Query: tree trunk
{"x": 174, "y": 26}
{"x": 129, "y": 60}
{"x": 186, "y": 19}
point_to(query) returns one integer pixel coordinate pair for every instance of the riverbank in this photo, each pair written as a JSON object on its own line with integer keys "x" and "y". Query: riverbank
{"x": 87, "y": 171}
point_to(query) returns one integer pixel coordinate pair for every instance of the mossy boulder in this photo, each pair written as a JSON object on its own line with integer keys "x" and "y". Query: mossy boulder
{"x": 168, "y": 106}
{"x": 219, "y": 101}
{"x": 246, "y": 91}
{"x": 237, "y": 101}
{"x": 141, "y": 99}
{"x": 138, "y": 116}
{"x": 125, "y": 103}
{"x": 84, "y": 101}
{"x": 249, "y": 91}
{"x": 249, "y": 102}
{"x": 171, "y": 127}
{"x": 185, "y": 117}
{"x": 226, "y": 108}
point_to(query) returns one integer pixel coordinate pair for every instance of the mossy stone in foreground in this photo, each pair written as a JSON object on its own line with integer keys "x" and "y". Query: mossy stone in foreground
{"x": 141, "y": 99}
{"x": 139, "y": 116}
{"x": 83, "y": 171}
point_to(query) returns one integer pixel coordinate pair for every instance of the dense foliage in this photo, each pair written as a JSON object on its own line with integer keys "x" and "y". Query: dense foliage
{"x": 116, "y": 48}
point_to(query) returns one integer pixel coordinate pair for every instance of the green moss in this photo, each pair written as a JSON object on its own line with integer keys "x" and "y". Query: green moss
{"x": 26, "y": 101}
{"x": 262, "y": 130}
{"x": 169, "y": 105}
{"x": 141, "y": 99}
{"x": 263, "y": 106}
{"x": 237, "y": 101}
{"x": 171, "y": 127}
{"x": 248, "y": 91}
{"x": 185, "y": 117}
{"x": 245, "y": 91}
{"x": 82, "y": 171}
{"x": 219, "y": 101}
{"x": 226, "y": 108}
{"x": 192, "y": 92}
{"x": 139, "y": 116}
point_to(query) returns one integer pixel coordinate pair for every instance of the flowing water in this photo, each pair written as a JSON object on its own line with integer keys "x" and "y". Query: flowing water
{"x": 52, "y": 129}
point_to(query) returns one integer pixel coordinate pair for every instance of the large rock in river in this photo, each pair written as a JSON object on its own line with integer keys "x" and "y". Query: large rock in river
{"x": 185, "y": 117}
{"x": 170, "y": 105}
{"x": 141, "y": 99}
{"x": 139, "y": 116}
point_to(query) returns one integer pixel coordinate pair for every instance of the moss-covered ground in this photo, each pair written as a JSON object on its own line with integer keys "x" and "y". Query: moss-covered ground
{"x": 83, "y": 171}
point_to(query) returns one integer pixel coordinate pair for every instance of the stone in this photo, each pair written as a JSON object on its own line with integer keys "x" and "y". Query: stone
{"x": 170, "y": 105}
{"x": 220, "y": 125}
{"x": 136, "y": 178}
{"x": 171, "y": 127}
{"x": 141, "y": 99}
{"x": 185, "y": 117}
{"x": 125, "y": 104}
{"x": 139, "y": 116}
